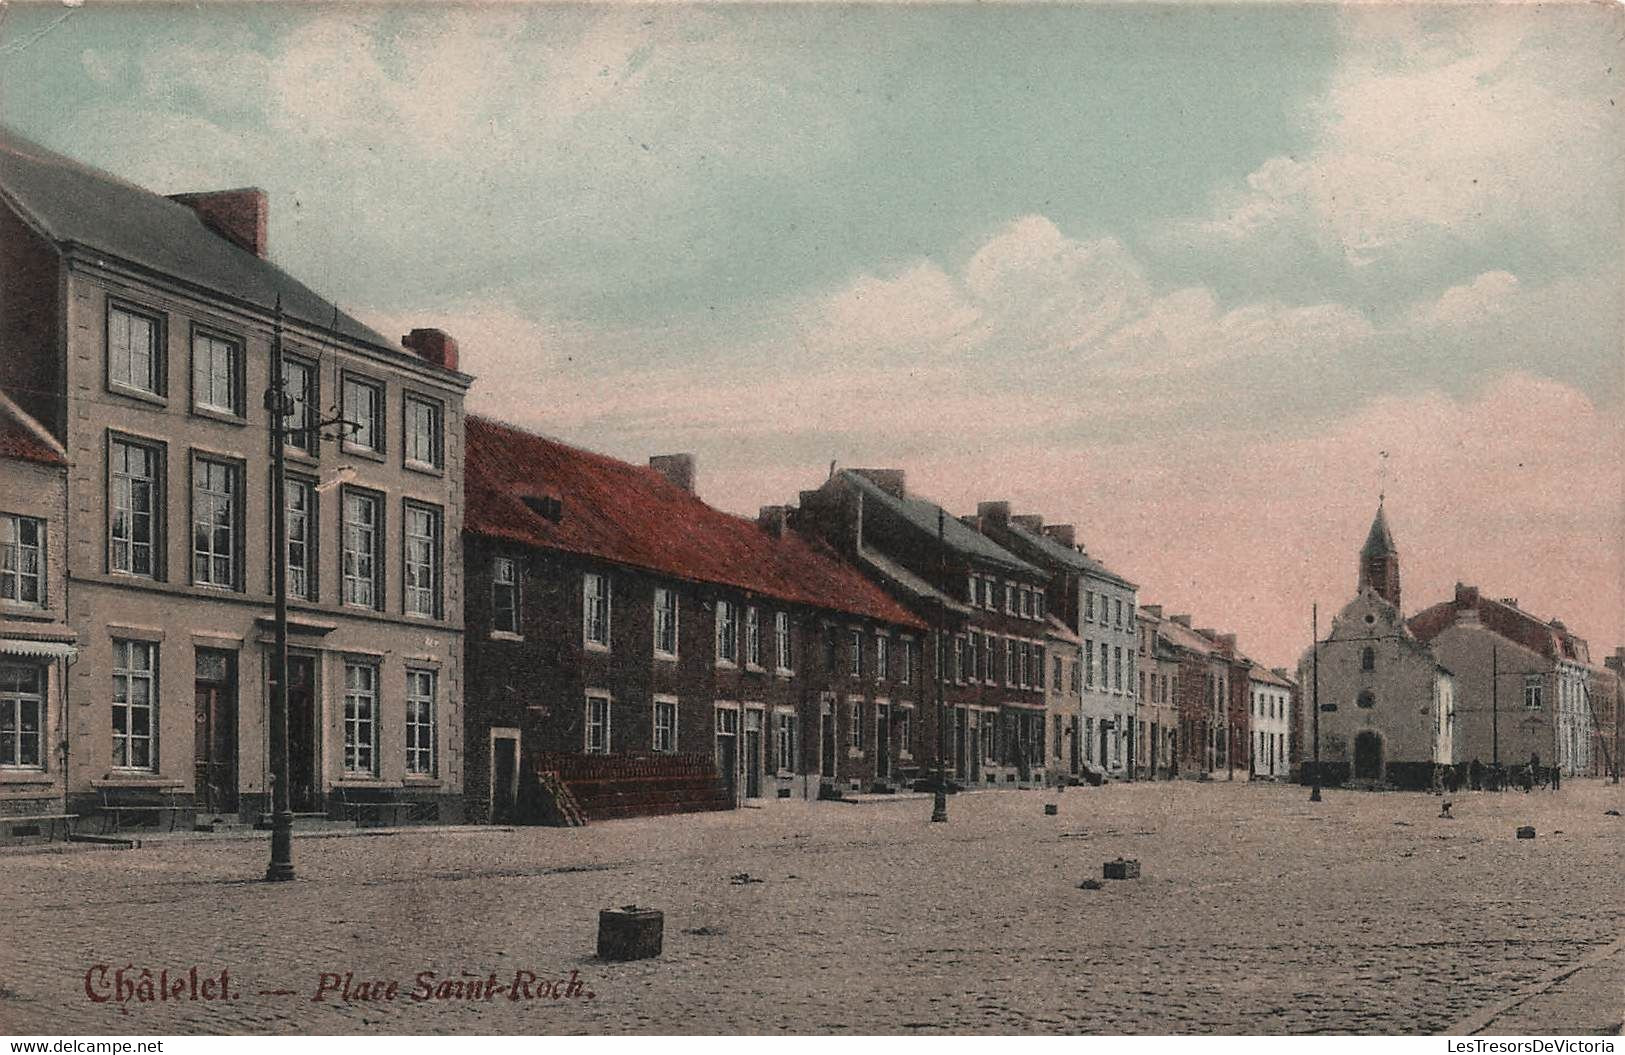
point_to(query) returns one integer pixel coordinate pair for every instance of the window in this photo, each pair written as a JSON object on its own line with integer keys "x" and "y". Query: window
{"x": 665, "y": 727}
{"x": 595, "y": 609}
{"x": 215, "y": 493}
{"x": 299, "y": 382}
{"x": 785, "y": 732}
{"x": 1077, "y": 682}
{"x": 1089, "y": 664}
{"x": 216, "y": 380}
{"x": 504, "y": 595}
{"x": 975, "y": 651}
{"x": 1055, "y": 674}
{"x": 1105, "y": 664}
{"x": 597, "y": 725}
{"x": 1089, "y": 605}
{"x": 135, "y": 696}
{"x": 1040, "y": 601}
{"x": 882, "y": 656}
{"x": 364, "y": 410}
{"x": 1038, "y": 666}
{"x": 829, "y": 649}
{"x": 665, "y": 621}
{"x": 854, "y": 727}
{"x": 753, "y": 637}
{"x": 422, "y": 426}
{"x": 22, "y": 560}
{"x": 983, "y": 594}
{"x": 420, "y": 723}
{"x": 905, "y": 730}
{"x": 1117, "y": 609}
{"x": 135, "y": 356}
{"x": 133, "y": 477}
{"x": 1012, "y": 599}
{"x": 1057, "y": 736}
{"x": 1010, "y": 669}
{"x": 1368, "y": 658}
{"x": 363, "y": 533}
{"x": 300, "y": 498}
{"x": 420, "y": 566}
{"x": 361, "y": 719}
{"x": 906, "y": 674}
{"x": 1029, "y": 603}
{"x": 22, "y": 715}
{"x": 782, "y": 644}
{"x": 970, "y": 589}
{"x": 727, "y": 632}
{"x": 854, "y": 657}
{"x": 1365, "y": 699}
{"x": 960, "y": 668}
{"x": 1531, "y": 692}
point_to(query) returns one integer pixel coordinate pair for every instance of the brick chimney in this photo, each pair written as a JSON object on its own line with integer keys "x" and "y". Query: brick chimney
{"x": 890, "y": 481}
{"x": 1466, "y": 596}
{"x": 773, "y": 520}
{"x": 1228, "y": 641}
{"x": 1153, "y": 610}
{"x": 1182, "y": 620}
{"x": 678, "y": 468}
{"x": 239, "y": 216}
{"x": 1031, "y": 521}
{"x": 1065, "y": 534}
{"x": 995, "y": 513}
{"x": 432, "y": 346}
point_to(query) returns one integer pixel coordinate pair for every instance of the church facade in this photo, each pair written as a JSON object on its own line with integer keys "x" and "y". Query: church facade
{"x": 1387, "y": 705}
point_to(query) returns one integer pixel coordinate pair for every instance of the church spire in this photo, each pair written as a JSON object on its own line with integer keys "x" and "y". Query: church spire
{"x": 1379, "y": 560}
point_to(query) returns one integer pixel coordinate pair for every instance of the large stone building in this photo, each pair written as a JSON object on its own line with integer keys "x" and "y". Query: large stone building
{"x": 989, "y": 606}
{"x": 1158, "y": 688}
{"x": 1270, "y": 705}
{"x": 1387, "y": 703}
{"x": 139, "y": 331}
{"x": 1524, "y": 686}
{"x": 36, "y": 644}
{"x": 611, "y": 612}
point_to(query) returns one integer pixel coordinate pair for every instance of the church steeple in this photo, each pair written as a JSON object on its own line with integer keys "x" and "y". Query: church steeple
{"x": 1379, "y": 560}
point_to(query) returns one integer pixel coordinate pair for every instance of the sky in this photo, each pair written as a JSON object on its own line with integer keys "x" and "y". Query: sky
{"x": 1204, "y": 281}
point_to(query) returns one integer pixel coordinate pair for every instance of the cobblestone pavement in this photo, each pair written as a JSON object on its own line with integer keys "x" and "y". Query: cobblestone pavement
{"x": 1258, "y": 912}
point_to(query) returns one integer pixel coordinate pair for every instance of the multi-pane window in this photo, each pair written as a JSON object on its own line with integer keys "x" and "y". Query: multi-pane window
{"x": 299, "y": 382}
{"x": 665, "y": 734}
{"x": 133, "y": 530}
{"x": 214, "y": 523}
{"x": 854, "y": 653}
{"x": 22, "y": 560}
{"x": 854, "y": 725}
{"x": 420, "y": 722}
{"x": 421, "y": 564}
{"x": 1029, "y": 603}
{"x": 1089, "y": 605}
{"x": 665, "y": 621}
{"x": 906, "y": 673}
{"x": 905, "y": 730}
{"x": 1077, "y": 675}
{"x": 22, "y": 714}
{"x": 1105, "y": 666}
{"x": 781, "y": 638}
{"x": 595, "y": 609}
{"x": 422, "y": 432}
{"x": 597, "y": 742}
{"x": 135, "y": 696}
{"x": 1089, "y": 663}
{"x": 753, "y": 636}
{"x": 1117, "y": 608}
{"x": 504, "y": 595}
{"x": 301, "y": 524}
{"x": 882, "y": 656}
{"x": 1010, "y": 669}
{"x": 364, "y": 412}
{"x": 362, "y": 532}
{"x": 727, "y": 632}
{"x": 134, "y": 356}
{"x": 973, "y": 644}
{"x": 1055, "y": 673}
{"x": 785, "y": 732}
{"x": 361, "y": 718}
{"x": 959, "y": 668}
{"x": 215, "y": 365}
{"x": 1531, "y": 693}
{"x": 1117, "y": 668}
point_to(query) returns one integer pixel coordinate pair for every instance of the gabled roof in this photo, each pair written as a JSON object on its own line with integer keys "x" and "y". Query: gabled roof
{"x": 1379, "y": 542}
{"x": 1181, "y": 636}
{"x": 633, "y": 516}
{"x": 76, "y": 205}
{"x": 1267, "y": 676}
{"x": 906, "y": 582}
{"x": 24, "y": 439}
{"x": 1499, "y": 617}
{"x": 923, "y": 515}
{"x": 1049, "y": 550}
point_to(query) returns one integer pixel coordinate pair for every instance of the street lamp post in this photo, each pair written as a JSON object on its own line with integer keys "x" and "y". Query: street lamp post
{"x": 1314, "y": 630}
{"x": 939, "y": 801}
{"x": 279, "y": 404}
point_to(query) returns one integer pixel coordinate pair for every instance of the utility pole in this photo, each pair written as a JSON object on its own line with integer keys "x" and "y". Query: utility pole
{"x": 278, "y": 403}
{"x": 1495, "y": 705}
{"x": 939, "y": 803}
{"x": 1314, "y": 631}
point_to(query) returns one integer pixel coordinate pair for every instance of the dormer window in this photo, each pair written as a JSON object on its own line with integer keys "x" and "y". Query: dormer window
{"x": 1368, "y": 658}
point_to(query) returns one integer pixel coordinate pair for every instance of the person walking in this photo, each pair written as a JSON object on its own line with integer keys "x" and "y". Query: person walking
{"x": 1475, "y": 775}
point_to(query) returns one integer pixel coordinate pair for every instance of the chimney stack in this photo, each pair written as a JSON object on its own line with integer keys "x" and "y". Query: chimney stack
{"x": 1031, "y": 521}
{"x": 1153, "y": 610}
{"x": 239, "y": 216}
{"x": 1466, "y": 596}
{"x": 432, "y": 346}
{"x": 1065, "y": 534}
{"x": 890, "y": 481}
{"x": 678, "y": 468}
{"x": 773, "y": 519}
{"x": 1182, "y": 620}
{"x": 995, "y": 513}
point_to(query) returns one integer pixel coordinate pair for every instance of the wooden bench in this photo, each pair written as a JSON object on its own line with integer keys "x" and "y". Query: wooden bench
{"x": 118, "y": 802}
{"x": 11, "y": 824}
{"x": 360, "y": 804}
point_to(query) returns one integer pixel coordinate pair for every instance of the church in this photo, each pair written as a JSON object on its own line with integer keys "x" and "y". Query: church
{"x": 1387, "y": 705}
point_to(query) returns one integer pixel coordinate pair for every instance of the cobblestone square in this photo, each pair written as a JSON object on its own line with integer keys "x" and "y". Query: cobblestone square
{"x": 1256, "y": 912}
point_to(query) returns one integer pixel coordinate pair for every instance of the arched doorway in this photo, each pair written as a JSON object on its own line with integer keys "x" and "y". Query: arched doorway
{"x": 1368, "y": 756}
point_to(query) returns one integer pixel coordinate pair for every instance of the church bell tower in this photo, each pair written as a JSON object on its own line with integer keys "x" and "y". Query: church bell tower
{"x": 1379, "y": 561}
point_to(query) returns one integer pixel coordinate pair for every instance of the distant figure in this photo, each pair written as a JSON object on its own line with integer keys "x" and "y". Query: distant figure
{"x": 1528, "y": 779}
{"x": 1475, "y": 775}
{"x": 1557, "y": 777}
{"x": 1534, "y": 767}
{"x": 1452, "y": 780}
{"x": 1444, "y": 812}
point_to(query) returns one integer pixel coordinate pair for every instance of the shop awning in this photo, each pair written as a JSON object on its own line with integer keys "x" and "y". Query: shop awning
{"x": 12, "y": 646}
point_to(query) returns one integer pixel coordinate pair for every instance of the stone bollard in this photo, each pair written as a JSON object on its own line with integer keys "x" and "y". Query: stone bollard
{"x": 1122, "y": 868}
{"x": 1051, "y": 809}
{"x": 1526, "y": 832}
{"x": 630, "y": 933}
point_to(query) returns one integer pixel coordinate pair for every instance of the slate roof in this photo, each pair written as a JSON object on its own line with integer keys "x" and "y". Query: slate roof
{"x": 907, "y": 582}
{"x": 1182, "y": 636}
{"x": 1067, "y": 556}
{"x": 1506, "y": 620}
{"x": 1268, "y": 676}
{"x": 957, "y": 536}
{"x": 632, "y": 515}
{"x": 24, "y": 439}
{"x": 76, "y": 205}
{"x": 1379, "y": 542}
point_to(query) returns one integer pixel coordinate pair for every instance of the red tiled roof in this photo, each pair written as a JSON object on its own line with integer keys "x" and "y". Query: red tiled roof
{"x": 1509, "y": 622}
{"x": 24, "y": 439}
{"x": 632, "y": 515}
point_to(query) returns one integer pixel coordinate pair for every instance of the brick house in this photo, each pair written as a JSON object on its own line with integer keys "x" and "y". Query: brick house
{"x": 987, "y": 606}
{"x": 612, "y": 612}
{"x": 1158, "y": 687}
{"x": 139, "y": 332}
{"x": 36, "y": 644}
